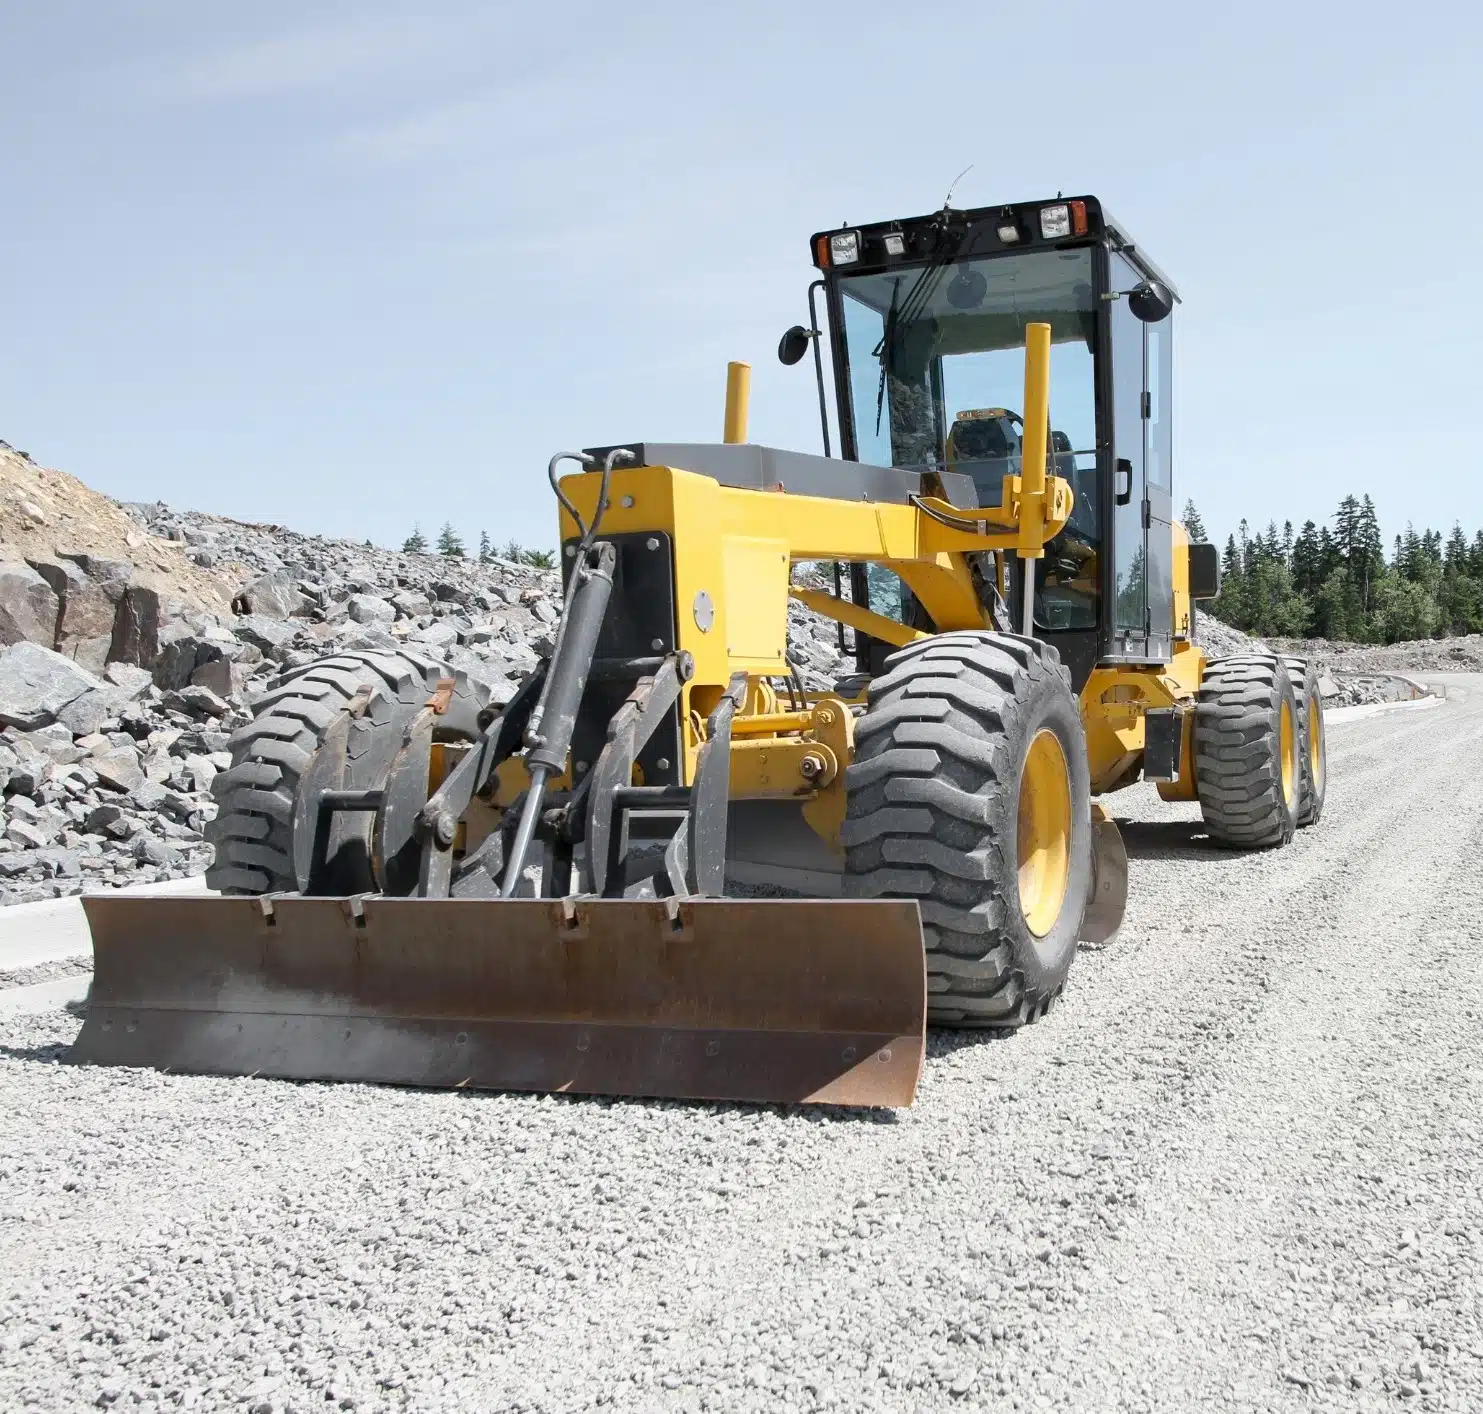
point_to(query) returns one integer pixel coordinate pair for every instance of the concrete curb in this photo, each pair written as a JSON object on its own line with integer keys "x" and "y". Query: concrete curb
{"x": 1338, "y": 715}
{"x": 43, "y": 996}
{"x": 55, "y": 928}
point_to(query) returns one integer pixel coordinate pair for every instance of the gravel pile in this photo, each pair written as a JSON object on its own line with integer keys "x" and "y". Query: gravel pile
{"x": 1237, "y": 1169}
{"x": 1351, "y": 674}
{"x": 1426, "y": 655}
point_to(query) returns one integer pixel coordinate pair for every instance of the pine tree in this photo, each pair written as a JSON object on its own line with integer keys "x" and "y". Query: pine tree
{"x": 1307, "y": 561}
{"x": 1457, "y": 550}
{"x": 486, "y": 550}
{"x": 415, "y": 543}
{"x": 1190, "y": 519}
{"x": 450, "y": 544}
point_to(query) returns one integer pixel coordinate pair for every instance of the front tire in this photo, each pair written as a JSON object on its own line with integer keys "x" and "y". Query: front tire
{"x": 265, "y": 802}
{"x": 970, "y": 792}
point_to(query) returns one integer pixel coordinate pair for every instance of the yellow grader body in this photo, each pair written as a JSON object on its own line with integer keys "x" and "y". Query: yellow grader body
{"x": 541, "y": 894}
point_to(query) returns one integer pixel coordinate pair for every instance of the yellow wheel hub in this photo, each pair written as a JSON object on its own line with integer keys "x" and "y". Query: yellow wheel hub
{"x": 1287, "y": 745}
{"x": 1316, "y": 762}
{"x": 1044, "y": 834}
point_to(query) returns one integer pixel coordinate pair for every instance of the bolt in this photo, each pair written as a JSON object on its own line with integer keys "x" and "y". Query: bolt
{"x": 811, "y": 767}
{"x": 657, "y": 644}
{"x": 663, "y": 763}
{"x": 579, "y": 768}
{"x": 571, "y": 552}
{"x": 652, "y": 543}
{"x": 446, "y": 827}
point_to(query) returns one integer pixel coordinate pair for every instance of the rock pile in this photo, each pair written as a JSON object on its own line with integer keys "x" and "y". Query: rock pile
{"x": 118, "y": 703}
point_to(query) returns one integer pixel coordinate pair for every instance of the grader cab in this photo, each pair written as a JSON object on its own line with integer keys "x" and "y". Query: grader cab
{"x": 665, "y": 867}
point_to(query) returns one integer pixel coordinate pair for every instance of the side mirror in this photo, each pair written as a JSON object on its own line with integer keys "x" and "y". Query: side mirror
{"x": 1151, "y": 302}
{"x": 793, "y": 345}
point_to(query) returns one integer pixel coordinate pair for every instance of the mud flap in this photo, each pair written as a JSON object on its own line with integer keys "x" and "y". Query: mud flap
{"x": 792, "y": 1001}
{"x": 1109, "y": 897}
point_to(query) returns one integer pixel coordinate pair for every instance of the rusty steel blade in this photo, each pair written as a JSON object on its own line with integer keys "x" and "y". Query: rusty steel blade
{"x": 820, "y": 1001}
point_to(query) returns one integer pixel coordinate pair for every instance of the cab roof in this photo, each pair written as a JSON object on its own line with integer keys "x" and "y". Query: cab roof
{"x": 983, "y": 231}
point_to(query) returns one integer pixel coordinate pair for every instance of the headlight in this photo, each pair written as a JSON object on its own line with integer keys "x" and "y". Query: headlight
{"x": 896, "y": 244}
{"x": 1009, "y": 233}
{"x": 1055, "y": 221}
{"x": 844, "y": 248}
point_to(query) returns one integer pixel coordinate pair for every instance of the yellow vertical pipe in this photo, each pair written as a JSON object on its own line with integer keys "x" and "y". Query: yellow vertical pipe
{"x": 1033, "y": 444}
{"x": 739, "y": 397}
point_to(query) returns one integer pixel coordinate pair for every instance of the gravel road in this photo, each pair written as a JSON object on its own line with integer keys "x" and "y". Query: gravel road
{"x": 1239, "y": 1168}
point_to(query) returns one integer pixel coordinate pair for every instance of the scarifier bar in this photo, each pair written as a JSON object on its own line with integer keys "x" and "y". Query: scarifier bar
{"x": 817, "y": 1001}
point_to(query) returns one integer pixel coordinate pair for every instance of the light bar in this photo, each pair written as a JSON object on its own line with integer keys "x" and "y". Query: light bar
{"x": 1055, "y": 221}
{"x": 844, "y": 247}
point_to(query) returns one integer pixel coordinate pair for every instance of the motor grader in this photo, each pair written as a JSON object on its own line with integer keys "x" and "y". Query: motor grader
{"x": 667, "y": 867}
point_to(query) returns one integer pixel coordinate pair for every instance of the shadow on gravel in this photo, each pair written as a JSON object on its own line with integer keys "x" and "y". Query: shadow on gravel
{"x": 1170, "y": 839}
{"x": 49, "y": 1054}
{"x": 947, "y": 1043}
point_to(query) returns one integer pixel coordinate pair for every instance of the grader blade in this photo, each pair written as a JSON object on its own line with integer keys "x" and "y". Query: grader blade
{"x": 1103, "y": 919}
{"x": 819, "y": 1001}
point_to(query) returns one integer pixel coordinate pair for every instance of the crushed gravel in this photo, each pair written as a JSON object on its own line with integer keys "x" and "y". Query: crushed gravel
{"x": 45, "y": 972}
{"x": 1238, "y": 1169}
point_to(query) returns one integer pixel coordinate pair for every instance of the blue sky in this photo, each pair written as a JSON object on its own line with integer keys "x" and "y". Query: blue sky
{"x": 347, "y": 266}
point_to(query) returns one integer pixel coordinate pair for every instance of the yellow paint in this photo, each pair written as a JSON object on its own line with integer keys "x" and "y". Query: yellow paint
{"x": 1033, "y": 515}
{"x": 1043, "y": 836}
{"x": 738, "y": 401}
{"x": 1183, "y": 616}
{"x": 1112, "y": 706}
{"x": 754, "y": 587}
{"x": 834, "y": 729}
{"x": 1287, "y": 743}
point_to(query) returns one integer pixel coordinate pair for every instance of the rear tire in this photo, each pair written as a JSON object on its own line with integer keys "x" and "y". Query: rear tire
{"x": 1312, "y": 739}
{"x": 1248, "y": 772}
{"x": 970, "y": 793}
{"x": 262, "y": 842}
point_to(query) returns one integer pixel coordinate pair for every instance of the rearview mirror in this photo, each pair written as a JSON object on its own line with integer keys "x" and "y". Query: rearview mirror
{"x": 1151, "y": 301}
{"x": 793, "y": 345}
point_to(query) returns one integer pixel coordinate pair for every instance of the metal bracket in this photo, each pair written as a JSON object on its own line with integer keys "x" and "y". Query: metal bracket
{"x": 632, "y": 726}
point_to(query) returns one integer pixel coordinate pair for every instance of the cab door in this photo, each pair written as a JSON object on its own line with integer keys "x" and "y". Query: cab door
{"x": 1158, "y": 517}
{"x": 1142, "y": 483}
{"x": 1130, "y": 625}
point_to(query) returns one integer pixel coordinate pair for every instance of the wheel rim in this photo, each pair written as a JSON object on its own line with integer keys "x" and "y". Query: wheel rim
{"x": 1315, "y": 744}
{"x": 1287, "y": 745}
{"x": 1044, "y": 834}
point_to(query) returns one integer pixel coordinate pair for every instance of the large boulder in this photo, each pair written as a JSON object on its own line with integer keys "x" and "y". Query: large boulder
{"x": 85, "y": 622}
{"x": 136, "y": 628}
{"x": 36, "y": 683}
{"x": 28, "y": 606}
{"x": 269, "y": 636}
{"x": 275, "y": 595}
{"x": 112, "y": 576}
{"x": 370, "y": 609}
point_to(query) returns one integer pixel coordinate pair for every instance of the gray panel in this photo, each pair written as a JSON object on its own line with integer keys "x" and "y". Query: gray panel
{"x": 767, "y": 468}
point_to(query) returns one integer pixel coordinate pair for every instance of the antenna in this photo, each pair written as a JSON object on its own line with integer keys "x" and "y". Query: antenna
{"x": 954, "y": 185}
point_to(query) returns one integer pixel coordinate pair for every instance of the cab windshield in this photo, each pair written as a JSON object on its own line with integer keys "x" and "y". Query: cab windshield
{"x": 937, "y": 375}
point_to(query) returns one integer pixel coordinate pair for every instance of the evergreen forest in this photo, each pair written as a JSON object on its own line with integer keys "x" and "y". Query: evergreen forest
{"x": 1342, "y": 582}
